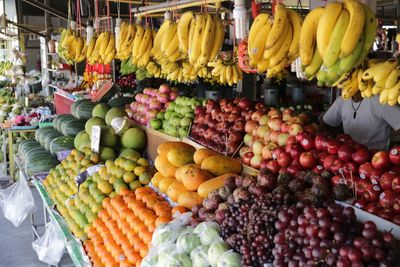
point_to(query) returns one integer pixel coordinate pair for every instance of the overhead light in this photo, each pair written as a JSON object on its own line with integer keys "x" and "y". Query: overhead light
{"x": 389, "y": 27}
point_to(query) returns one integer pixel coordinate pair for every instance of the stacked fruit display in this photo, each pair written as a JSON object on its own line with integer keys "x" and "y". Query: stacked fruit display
{"x": 101, "y": 49}
{"x": 335, "y": 39}
{"x": 175, "y": 244}
{"x": 149, "y": 103}
{"x": 72, "y": 47}
{"x": 220, "y": 125}
{"x": 186, "y": 176}
{"x": 122, "y": 234}
{"x": 273, "y": 43}
{"x": 266, "y": 131}
{"x": 178, "y": 116}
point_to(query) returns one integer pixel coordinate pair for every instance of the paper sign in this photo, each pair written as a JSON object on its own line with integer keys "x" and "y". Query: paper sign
{"x": 95, "y": 144}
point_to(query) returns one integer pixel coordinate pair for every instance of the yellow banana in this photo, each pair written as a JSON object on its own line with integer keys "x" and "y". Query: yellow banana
{"x": 280, "y": 18}
{"x": 219, "y": 38}
{"x": 197, "y": 38}
{"x": 138, "y": 39}
{"x": 183, "y": 31}
{"x": 256, "y": 49}
{"x": 296, "y": 21}
{"x": 144, "y": 43}
{"x": 258, "y": 23}
{"x": 355, "y": 28}
{"x": 283, "y": 51}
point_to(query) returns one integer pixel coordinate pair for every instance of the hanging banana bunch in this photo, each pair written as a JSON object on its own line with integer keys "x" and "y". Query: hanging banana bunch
{"x": 72, "y": 47}
{"x": 125, "y": 40}
{"x": 225, "y": 72}
{"x": 273, "y": 43}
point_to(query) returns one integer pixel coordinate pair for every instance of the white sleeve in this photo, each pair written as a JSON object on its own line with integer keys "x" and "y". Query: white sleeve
{"x": 333, "y": 116}
{"x": 391, "y": 114}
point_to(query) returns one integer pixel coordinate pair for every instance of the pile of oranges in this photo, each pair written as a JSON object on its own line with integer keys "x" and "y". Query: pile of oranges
{"x": 121, "y": 235}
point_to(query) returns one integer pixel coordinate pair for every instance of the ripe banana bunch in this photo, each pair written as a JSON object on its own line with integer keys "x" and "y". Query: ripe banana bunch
{"x": 72, "y": 46}
{"x": 273, "y": 43}
{"x": 225, "y": 73}
{"x": 142, "y": 46}
{"x": 154, "y": 69}
{"x": 201, "y": 37}
{"x": 336, "y": 39}
{"x": 61, "y": 50}
{"x": 101, "y": 49}
{"x": 125, "y": 40}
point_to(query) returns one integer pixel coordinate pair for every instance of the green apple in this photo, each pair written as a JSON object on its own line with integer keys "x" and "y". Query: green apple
{"x": 167, "y": 115}
{"x": 144, "y": 178}
{"x": 172, "y": 105}
{"x": 160, "y": 115}
{"x": 175, "y": 121}
{"x": 185, "y": 122}
{"x": 155, "y": 124}
{"x": 190, "y": 115}
{"x": 183, "y": 132}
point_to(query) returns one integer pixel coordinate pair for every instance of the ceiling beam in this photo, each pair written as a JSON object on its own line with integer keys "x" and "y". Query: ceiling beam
{"x": 48, "y": 9}
{"x": 26, "y": 28}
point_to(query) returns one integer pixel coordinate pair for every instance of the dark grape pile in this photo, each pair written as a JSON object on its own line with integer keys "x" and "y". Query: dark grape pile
{"x": 249, "y": 229}
{"x": 328, "y": 236}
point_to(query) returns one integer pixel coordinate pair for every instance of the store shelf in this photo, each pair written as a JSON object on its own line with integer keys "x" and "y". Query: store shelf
{"x": 73, "y": 245}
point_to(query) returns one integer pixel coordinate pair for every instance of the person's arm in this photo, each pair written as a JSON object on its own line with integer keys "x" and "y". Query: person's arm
{"x": 332, "y": 118}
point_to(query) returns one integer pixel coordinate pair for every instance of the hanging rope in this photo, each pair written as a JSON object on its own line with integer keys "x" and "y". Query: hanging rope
{"x": 78, "y": 16}
{"x": 96, "y": 15}
{"x": 108, "y": 16}
{"x": 130, "y": 13}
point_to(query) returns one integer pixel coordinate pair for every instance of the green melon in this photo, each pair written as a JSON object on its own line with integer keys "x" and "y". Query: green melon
{"x": 134, "y": 138}
{"x": 130, "y": 154}
{"x": 100, "y": 110}
{"x": 92, "y": 122}
{"x": 113, "y": 113}
{"x": 82, "y": 140}
{"x": 107, "y": 153}
{"x": 108, "y": 136}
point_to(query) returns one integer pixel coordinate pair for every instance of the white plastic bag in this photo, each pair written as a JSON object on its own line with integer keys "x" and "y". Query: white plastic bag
{"x": 17, "y": 202}
{"x": 51, "y": 246}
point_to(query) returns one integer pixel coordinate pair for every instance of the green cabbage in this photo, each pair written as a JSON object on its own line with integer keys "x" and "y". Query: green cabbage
{"x": 216, "y": 249}
{"x": 177, "y": 259}
{"x": 187, "y": 241}
{"x": 199, "y": 257}
{"x": 166, "y": 233}
{"x": 208, "y": 232}
{"x": 229, "y": 259}
{"x": 149, "y": 261}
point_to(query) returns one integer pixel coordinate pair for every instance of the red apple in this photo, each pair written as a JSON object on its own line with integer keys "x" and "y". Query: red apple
{"x": 256, "y": 115}
{"x": 308, "y": 143}
{"x": 300, "y": 136}
{"x": 344, "y": 138}
{"x": 274, "y": 135}
{"x": 350, "y": 167}
{"x": 386, "y": 214}
{"x": 381, "y": 160}
{"x": 396, "y": 204}
{"x": 294, "y": 129}
{"x": 262, "y": 131}
{"x": 371, "y": 193}
{"x": 337, "y": 179}
{"x": 282, "y": 139}
{"x": 260, "y": 106}
{"x": 396, "y": 185}
{"x": 333, "y": 147}
{"x": 328, "y": 161}
{"x": 235, "y": 137}
{"x": 250, "y": 125}
{"x": 365, "y": 170}
{"x": 247, "y": 157}
{"x": 395, "y": 169}
{"x": 320, "y": 140}
{"x": 322, "y": 155}
{"x": 319, "y": 169}
{"x": 295, "y": 150}
{"x": 386, "y": 180}
{"x": 263, "y": 120}
{"x": 275, "y": 124}
{"x": 361, "y": 155}
{"x": 360, "y": 203}
{"x": 263, "y": 164}
{"x": 284, "y": 159}
{"x": 276, "y": 152}
{"x": 345, "y": 152}
{"x": 273, "y": 166}
{"x": 257, "y": 148}
{"x": 375, "y": 176}
{"x": 337, "y": 166}
{"x": 293, "y": 169}
{"x": 307, "y": 160}
{"x": 394, "y": 155}
{"x": 372, "y": 208}
{"x": 255, "y": 161}
{"x": 245, "y": 103}
{"x": 386, "y": 199}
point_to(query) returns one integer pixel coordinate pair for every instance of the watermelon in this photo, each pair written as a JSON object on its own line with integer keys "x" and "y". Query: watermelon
{"x": 49, "y": 137}
{"x": 84, "y": 110}
{"x": 43, "y": 164}
{"x": 61, "y": 143}
{"x": 62, "y": 120}
{"x": 120, "y": 101}
{"x": 73, "y": 127}
{"x": 43, "y": 136}
{"x": 39, "y": 132}
{"x": 76, "y": 104}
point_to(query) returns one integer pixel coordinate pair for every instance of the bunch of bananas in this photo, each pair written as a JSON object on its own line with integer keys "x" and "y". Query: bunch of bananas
{"x": 273, "y": 43}
{"x": 142, "y": 45}
{"x": 72, "y": 47}
{"x": 225, "y": 72}
{"x": 336, "y": 39}
{"x": 125, "y": 40}
{"x": 101, "y": 49}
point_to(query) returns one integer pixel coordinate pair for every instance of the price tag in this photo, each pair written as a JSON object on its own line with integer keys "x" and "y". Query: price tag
{"x": 95, "y": 144}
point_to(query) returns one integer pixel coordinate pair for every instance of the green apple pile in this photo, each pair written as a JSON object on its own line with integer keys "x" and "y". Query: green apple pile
{"x": 178, "y": 116}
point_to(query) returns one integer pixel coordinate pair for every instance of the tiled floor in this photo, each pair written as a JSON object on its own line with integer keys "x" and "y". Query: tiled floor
{"x": 16, "y": 243}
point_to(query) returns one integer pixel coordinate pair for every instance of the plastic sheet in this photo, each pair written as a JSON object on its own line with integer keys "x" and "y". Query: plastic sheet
{"x": 17, "y": 202}
{"x": 51, "y": 246}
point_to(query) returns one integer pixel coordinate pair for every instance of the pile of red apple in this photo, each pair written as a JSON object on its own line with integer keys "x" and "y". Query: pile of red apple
{"x": 267, "y": 131}
{"x": 150, "y": 102}
{"x": 220, "y": 125}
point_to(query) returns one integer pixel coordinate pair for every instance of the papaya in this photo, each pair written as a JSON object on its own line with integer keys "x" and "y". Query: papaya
{"x": 203, "y": 153}
{"x": 218, "y": 165}
{"x": 189, "y": 199}
{"x": 214, "y": 184}
{"x": 165, "y": 183}
{"x": 165, "y": 147}
{"x": 192, "y": 176}
{"x": 175, "y": 189}
{"x": 164, "y": 167}
{"x": 157, "y": 177}
{"x": 180, "y": 156}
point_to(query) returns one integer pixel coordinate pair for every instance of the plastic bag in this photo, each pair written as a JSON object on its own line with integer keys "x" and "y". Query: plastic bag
{"x": 17, "y": 202}
{"x": 51, "y": 246}
{"x": 169, "y": 232}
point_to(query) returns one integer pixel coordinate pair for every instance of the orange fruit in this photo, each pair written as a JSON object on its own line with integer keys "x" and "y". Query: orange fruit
{"x": 106, "y": 202}
{"x": 162, "y": 220}
{"x": 181, "y": 209}
{"x": 146, "y": 236}
{"x": 132, "y": 255}
{"x": 151, "y": 227}
{"x": 143, "y": 252}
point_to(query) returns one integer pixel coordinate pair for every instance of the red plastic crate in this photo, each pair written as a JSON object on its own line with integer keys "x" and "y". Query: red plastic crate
{"x": 62, "y": 104}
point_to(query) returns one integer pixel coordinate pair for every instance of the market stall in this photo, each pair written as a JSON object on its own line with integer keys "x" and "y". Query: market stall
{"x": 177, "y": 137}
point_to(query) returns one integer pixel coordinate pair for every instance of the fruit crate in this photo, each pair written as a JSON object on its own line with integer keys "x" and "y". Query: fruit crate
{"x": 62, "y": 104}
